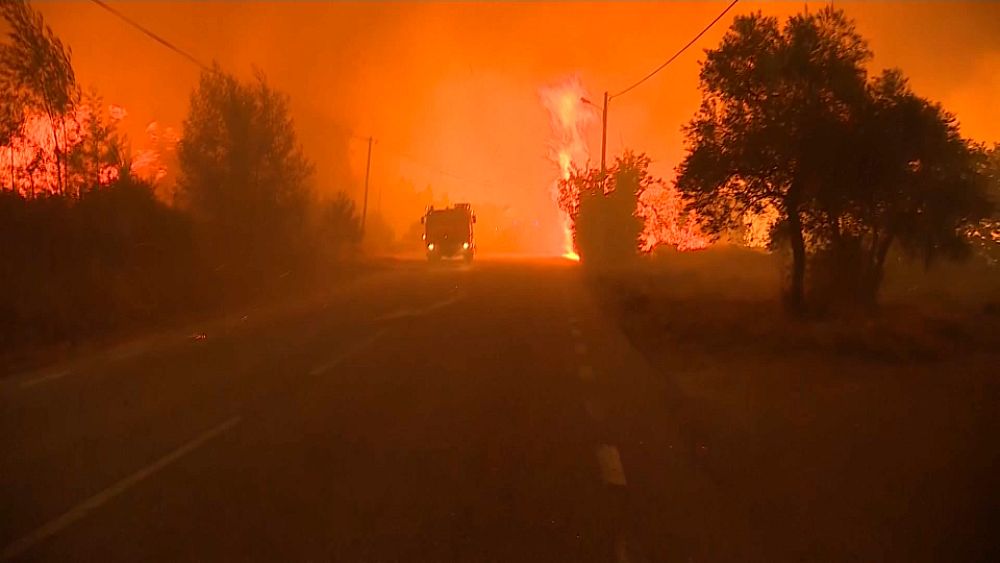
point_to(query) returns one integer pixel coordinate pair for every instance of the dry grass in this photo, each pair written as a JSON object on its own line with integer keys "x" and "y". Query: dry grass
{"x": 852, "y": 438}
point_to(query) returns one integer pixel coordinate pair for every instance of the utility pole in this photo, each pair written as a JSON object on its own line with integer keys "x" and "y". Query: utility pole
{"x": 368, "y": 169}
{"x": 604, "y": 137}
{"x": 604, "y": 133}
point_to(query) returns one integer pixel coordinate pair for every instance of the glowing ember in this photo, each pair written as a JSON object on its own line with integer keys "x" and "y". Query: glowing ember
{"x": 569, "y": 117}
{"x": 666, "y": 222}
{"x": 29, "y": 159}
{"x": 148, "y": 161}
{"x": 757, "y": 227}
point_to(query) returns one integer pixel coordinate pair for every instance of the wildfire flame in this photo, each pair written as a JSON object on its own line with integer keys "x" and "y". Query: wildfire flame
{"x": 570, "y": 116}
{"x": 28, "y": 162}
{"x": 666, "y": 222}
{"x": 149, "y": 161}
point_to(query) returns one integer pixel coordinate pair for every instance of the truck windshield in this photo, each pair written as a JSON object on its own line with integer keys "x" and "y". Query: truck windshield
{"x": 450, "y": 223}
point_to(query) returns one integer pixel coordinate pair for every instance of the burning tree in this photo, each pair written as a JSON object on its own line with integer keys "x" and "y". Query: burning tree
{"x": 36, "y": 74}
{"x": 658, "y": 206}
{"x": 604, "y": 209}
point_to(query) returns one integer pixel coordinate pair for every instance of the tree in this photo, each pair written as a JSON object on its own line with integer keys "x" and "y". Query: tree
{"x": 907, "y": 177}
{"x": 36, "y": 72}
{"x": 790, "y": 122}
{"x": 99, "y": 155}
{"x": 606, "y": 225}
{"x": 242, "y": 171}
{"x": 338, "y": 227}
{"x": 759, "y": 139}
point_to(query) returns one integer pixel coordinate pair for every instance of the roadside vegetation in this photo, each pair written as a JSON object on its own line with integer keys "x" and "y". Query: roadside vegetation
{"x": 90, "y": 250}
{"x": 837, "y": 384}
{"x": 842, "y": 171}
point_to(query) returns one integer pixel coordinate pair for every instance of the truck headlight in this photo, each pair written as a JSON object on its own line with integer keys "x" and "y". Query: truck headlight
{"x": 430, "y": 246}
{"x": 465, "y": 246}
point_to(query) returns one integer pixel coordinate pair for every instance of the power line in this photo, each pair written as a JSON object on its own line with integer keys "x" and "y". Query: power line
{"x": 152, "y": 35}
{"x": 678, "y": 53}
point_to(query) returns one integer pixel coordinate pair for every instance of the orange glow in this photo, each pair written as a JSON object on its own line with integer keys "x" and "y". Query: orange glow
{"x": 666, "y": 222}
{"x": 150, "y": 160}
{"x": 452, "y": 98}
{"x": 29, "y": 160}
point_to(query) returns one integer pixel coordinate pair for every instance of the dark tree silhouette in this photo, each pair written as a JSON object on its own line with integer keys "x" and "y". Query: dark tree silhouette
{"x": 789, "y": 120}
{"x": 100, "y": 153}
{"x": 770, "y": 95}
{"x": 242, "y": 171}
{"x": 338, "y": 226}
{"x": 906, "y": 176}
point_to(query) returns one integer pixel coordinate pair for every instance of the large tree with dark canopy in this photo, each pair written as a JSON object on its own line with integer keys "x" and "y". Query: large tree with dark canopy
{"x": 790, "y": 121}
{"x": 243, "y": 172}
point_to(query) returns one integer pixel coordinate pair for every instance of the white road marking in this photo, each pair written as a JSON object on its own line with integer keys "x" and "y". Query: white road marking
{"x": 45, "y": 378}
{"x": 575, "y": 332}
{"x": 128, "y": 352}
{"x": 611, "y": 465}
{"x": 347, "y": 353}
{"x": 621, "y": 550}
{"x": 406, "y": 312}
{"x": 81, "y": 510}
{"x": 594, "y": 410}
{"x": 580, "y": 348}
{"x": 586, "y": 373}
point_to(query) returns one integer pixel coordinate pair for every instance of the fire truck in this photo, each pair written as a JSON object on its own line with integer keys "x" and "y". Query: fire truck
{"x": 448, "y": 232}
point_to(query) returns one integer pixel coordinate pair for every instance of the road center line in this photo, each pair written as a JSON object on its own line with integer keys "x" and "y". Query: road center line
{"x": 580, "y": 348}
{"x": 611, "y": 465}
{"x": 347, "y": 353}
{"x": 595, "y": 411}
{"x": 45, "y": 378}
{"x": 575, "y": 332}
{"x": 406, "y": 312}
{"x": 81, "y": 510}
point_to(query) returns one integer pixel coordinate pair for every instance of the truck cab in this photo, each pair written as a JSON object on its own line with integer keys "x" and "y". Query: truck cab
{"x": 448, "y": 232}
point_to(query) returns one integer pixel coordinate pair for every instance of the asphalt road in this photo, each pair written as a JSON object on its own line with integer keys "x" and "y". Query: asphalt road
{"x": 450, "y": 413}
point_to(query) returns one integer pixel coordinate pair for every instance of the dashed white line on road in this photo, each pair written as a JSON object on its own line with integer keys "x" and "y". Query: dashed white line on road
{"x": 621, "y": 550}
{"x": 575, "y": 332}
{"x": 406, "y": 312}
{"x": 580, "y": 348}
{"x": 81, "y": 510}
{"x": 347, "y": 353}
{"x": 611, "y": 465}
{"x": 45, "y": 378}
{"x": 586, "y": 373}
{"x": 594, "y": 410}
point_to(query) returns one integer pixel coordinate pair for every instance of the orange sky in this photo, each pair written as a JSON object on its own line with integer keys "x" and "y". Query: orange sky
{"x": 451, "y": 90}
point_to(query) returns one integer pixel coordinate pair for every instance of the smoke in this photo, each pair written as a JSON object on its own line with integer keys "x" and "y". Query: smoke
{"x": 450, "y": 91}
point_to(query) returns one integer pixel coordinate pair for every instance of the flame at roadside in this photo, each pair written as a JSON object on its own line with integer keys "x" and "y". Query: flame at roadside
{"x": 569, "y": 117}
{"x": 28, "y": 163}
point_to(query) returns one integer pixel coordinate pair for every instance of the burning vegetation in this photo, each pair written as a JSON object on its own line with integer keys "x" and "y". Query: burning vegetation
{"x": 772, "y": 162}
{"x": 90, "y": 242}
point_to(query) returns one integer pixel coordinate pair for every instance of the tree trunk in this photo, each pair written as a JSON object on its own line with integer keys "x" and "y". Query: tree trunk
{"x": 877, "y": 272}
{"x": 796, "y": 291}
{"x": 56, "y": 150}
